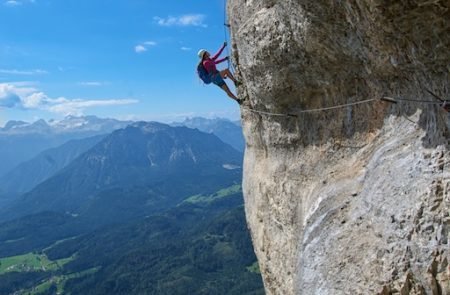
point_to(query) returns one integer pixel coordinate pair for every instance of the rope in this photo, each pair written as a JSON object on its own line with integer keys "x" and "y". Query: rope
{"x": 388, "y": 99}
{"x": 445, "y": 104}
{"x": 312, "y": 110}
{"x": 226, "y": 26}
{"x": 270, "y": 114}
{"x": 420, "y": 101}
{"x": 225, "y": 33}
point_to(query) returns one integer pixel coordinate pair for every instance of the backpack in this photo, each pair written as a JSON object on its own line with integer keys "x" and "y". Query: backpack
{"x": 203, "y": 74}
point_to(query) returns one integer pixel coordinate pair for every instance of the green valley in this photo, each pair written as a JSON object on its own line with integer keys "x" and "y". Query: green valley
{"x": 30, "y": 262}
{"x": 150, "y": 209}
{"x": 201, "y": 245}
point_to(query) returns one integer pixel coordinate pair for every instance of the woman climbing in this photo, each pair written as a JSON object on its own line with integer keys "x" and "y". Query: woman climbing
{"x": 208, "y": 72}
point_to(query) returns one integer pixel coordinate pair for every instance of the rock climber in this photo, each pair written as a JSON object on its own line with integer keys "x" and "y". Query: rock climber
{"x": 208, "y": 72}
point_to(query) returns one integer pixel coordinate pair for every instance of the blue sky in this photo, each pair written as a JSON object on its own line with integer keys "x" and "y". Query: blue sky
{"x": 126, "y": 59}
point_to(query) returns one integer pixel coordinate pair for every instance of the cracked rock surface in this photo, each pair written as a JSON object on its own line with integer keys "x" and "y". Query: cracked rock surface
{"x": 354, "y": 199}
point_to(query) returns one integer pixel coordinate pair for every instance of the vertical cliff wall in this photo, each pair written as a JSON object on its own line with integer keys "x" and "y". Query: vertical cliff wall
{"x": 356, "y": 199}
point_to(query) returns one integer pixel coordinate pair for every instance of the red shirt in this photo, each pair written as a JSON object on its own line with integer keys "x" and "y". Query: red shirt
{"x": 210, "y": 63}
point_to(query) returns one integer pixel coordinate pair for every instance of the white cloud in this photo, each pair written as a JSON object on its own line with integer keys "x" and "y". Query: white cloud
{"x": 140, "y": 48}
{"x": 14, "y": 3}
{"x": 21, "y": 89}
{"x": 35, "y": 100}
{"x": 22, "y": 96}
{"x": 8, "y": 97}
{"x": 144, "y": 46}
{"x": 23, "y": 72}
{"x": 93, "y": 83}
{"x": 186, "y": 48}
{"x": 9, "y": 100}
{"x": 23, "y": 83}
{"x": 195, "y": 20}
{"x": 77, "y": 106}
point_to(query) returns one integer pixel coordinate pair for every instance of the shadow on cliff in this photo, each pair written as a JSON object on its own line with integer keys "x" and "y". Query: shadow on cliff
{"x": 318, "y": 55}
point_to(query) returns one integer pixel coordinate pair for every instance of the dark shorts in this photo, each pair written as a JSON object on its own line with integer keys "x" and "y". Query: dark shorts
{"x": 217, "y": 79}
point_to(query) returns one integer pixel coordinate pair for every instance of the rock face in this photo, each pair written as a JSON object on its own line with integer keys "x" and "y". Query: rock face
{"x": 354, "y": 199}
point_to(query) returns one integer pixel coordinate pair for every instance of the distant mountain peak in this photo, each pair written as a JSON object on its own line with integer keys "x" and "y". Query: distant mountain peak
{"x": 201, "y": 120}
{"x": 40, "y": 122}
{"x": 228, "y": 131}
{"x": 69, "y": 124}
{"x": 21, "y": 141}
{"x": 13, "y": 124}
{"x": 144, "y": 154}
{"x": 150, "y": 127}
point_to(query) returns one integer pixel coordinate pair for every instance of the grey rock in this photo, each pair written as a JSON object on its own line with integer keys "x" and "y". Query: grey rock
{"x": 349, "y": 200}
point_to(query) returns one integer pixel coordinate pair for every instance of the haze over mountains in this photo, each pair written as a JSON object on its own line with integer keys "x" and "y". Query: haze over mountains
{"x": 147, "y": 208}
{"x": 21, "y": 141}
{"x": 70, "y": 124}
{"x": 30, "y": 173}
{"x": 228, "y": 131}
{"x": 134, "y": 158}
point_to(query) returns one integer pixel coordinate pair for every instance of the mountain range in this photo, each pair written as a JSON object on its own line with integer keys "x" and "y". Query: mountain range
{"x": 156, "y": 163}
{"x": 30, "y": 173}
{"x": 21, "y": 141}
{"x": 70, "y": 124}
{"x": 228, "y": 131}
{"x": 145, "y": 209}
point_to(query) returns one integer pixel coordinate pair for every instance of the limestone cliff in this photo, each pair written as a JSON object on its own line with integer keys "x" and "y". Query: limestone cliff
{"x": 353, "y": 200}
